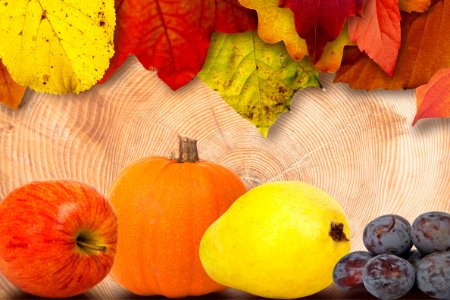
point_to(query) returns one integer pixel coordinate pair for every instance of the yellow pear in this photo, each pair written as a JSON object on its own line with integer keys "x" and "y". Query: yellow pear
{"x": 279, "y": 240}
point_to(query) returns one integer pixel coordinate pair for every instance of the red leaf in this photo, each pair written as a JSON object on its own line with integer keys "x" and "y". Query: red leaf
{"x": 173, "y": 36}
{"x": 425, "y": 49}
{"x": 11, "y": 93}
{"x": 433, "y": 98}
{"x": 378, "y": 32}
{"x": 320, "y": 22}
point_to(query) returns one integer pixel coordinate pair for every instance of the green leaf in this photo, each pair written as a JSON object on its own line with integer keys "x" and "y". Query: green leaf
{"x": 257, "y": 79}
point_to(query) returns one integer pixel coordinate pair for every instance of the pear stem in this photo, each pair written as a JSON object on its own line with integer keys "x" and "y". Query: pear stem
{"x": 337, "y": 232}
{"x": 85, "y": 245}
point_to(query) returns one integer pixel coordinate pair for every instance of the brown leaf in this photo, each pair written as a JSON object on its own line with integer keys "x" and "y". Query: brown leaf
{"x": 424, "y": 50}
{"x": 11, "y": 93}
{"x": 433, "y": 98}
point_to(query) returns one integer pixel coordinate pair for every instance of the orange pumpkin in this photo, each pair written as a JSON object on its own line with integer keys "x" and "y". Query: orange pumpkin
{"x": 164, "y": 206}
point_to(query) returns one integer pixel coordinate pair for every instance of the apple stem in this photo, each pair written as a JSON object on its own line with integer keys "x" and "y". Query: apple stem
{"x": 85, "y": 245}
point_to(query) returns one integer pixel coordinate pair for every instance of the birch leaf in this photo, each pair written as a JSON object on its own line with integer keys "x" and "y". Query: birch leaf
{"x": 57, "y": 46}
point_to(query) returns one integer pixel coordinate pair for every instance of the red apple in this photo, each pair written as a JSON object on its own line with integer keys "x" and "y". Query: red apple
{"x": 57, "y": 238}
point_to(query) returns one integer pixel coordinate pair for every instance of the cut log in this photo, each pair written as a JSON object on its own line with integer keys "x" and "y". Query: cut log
{"x": 357, "y": 146}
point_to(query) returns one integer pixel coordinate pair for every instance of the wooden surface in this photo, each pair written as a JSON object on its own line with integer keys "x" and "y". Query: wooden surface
{"x": 358, "y": 146}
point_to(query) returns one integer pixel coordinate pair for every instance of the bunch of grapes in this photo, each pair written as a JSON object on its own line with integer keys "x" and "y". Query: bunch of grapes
{"x": 391, "y": 267}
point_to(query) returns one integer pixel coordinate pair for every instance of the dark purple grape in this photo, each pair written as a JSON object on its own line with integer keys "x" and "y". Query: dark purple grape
{"x": 433, "y": 275}
{"x": 347, "y": 273}
{"x": 431, "y": 232}
{"x": 413, "y": 257}
{"x": 388, "y": 234}
{"x": 388, "y": 276}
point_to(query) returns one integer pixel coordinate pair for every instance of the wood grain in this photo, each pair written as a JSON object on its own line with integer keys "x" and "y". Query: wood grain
{"x": 358, "y": 146}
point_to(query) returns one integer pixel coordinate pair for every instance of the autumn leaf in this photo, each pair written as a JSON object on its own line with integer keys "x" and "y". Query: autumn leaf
{"x": 173, "y": 36}
{"x": 56, "y": 46}
{"x": 414, "y": 5}
{"x": 378, "y": 32}
{"x": 257, "y": 79}
{"x": 433, "y": 98}
{"x": 276, "y": 24}
{"x": 320, "y": 22}
{"x": 424, "y": 50}
{"x": 11, "y": 93}
{"x": 330, "y": 61}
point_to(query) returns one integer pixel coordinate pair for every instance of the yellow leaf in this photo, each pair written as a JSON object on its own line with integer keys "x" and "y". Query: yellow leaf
{"x": 331, "y": 59}
{"x": 276, "y": 24}
{"x": 57, "y": 46}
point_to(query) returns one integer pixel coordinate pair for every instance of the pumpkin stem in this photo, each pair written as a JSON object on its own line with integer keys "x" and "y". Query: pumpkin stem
{"x": 187, "y": 150}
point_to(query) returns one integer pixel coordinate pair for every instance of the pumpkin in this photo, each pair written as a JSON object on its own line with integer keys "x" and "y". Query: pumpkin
{"x": 164, "y": 206}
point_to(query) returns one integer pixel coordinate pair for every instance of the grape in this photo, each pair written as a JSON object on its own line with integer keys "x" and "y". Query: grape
{"x": 413, "y": 257}
{"x": 431, "y": 232}
{"x": 347, "y": 273}
{"x": 388, "y": 234}
{"x": 388, "y": 276}
{"x": 433, "y": 275}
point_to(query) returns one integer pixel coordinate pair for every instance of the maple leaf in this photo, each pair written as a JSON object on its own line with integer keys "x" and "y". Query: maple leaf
{"x": 424, "y": 50}
{"x": 257, "y": 79}
{"x": 414, "y": 5}
{"x": 173, "y": 36}
{"x": 319, "y": 22}
{"x": 378, "y": 32}
{"x": 11, "y": 93}
{"x": 330, "y": 61}
{"x": 56, "y": 46}
{"x": 276, "y": 24}
{"x": 433, "y": 98}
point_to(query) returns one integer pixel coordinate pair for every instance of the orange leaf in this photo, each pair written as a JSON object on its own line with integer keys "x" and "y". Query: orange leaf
{"x": 433, "y": 98}
{"x": 424, "y": 50}
{"x": 11, "y": 93}
{"x": 378, "y": 32}
{"x": 414, "y": 5}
